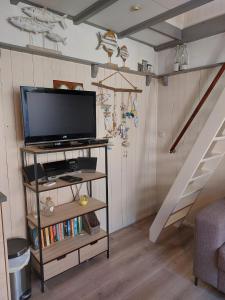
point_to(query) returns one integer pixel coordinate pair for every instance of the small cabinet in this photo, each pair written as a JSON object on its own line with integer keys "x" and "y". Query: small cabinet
{"x": 93, "y": 249}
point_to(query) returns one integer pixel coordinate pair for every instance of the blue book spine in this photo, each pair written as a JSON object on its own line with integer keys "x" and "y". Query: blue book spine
{"x": 57, "y": 232}
{"x": 68, "y": 228}
{"x": 75, "y": 226}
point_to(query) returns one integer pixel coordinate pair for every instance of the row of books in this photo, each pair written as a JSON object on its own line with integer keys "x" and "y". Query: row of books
{"x": 55, "y": 233}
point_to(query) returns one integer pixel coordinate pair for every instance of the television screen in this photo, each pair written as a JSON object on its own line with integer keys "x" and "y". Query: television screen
{"x": 52, "y": 115}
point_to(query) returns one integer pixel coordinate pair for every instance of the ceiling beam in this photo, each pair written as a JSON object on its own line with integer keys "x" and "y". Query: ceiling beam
{"x": 204, "y": 29}
{"x": 198, "y": 31}
{"x": 167, "y": 45}
{"x": 92, "y": 10}
{"x": 168, "y": 30}
{"x": 191, "y": 4}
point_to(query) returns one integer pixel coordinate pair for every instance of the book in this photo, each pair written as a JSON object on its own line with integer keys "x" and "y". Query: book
{"x": 65, "y": 228}
{"x": 68, "y": 228}
{"x": 75, "y": 227}
{"x": 57, "y": 232}
{"x": 33, "y": 233}
{"x": 47, "y": 236}
{"x": 72, "y": 227}
{"x": 42, "y": 238}
{"x": 51, "y": 235}
{"x": 80, "y": 225}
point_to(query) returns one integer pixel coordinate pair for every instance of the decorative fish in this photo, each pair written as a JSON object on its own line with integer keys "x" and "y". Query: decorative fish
{"x": 108, "y": 42}
{"x": 56, "y": 38}
{"x": 30, "y": 25}
{"x": 123, "y": 53}
{"x": 43, "y": 15}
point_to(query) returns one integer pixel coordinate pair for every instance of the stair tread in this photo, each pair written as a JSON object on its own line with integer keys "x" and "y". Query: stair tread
{"x": 191, "y": 191}
{"x": 219, "y": 138}
{"x": 200, "y": 174}
{"x": 213, "y": 156}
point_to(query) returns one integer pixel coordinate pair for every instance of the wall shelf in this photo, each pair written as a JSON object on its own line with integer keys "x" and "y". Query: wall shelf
{"x": 72, "y": 59}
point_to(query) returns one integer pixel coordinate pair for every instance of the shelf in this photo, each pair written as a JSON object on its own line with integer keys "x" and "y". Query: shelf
{"x": 38, "y": 150}
{"x": 172, "y": 73}
{"x": 67, "y": 211}
{"x": 212, "y": 156}
{"x": 66, "y": 246}
{"x": 61, "y": 183}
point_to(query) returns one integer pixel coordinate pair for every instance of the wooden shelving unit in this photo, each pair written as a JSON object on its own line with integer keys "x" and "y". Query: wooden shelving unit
{"x": 62, "y": 255}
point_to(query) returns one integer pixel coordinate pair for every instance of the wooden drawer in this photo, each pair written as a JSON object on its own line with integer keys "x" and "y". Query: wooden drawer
{"x": 93, "y": 249}
{"x": 59, "y": 265}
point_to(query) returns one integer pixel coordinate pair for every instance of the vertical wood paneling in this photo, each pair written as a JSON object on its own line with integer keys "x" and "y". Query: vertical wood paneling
{"x": 4, "y": 278}
{"x": 132, "y": 179}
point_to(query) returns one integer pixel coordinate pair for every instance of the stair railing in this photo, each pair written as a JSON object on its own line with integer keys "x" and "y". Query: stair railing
{"x": 198, "y": 107}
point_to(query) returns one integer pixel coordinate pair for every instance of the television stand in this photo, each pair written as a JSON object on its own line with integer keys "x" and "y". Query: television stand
{"x": 61, "y": 145}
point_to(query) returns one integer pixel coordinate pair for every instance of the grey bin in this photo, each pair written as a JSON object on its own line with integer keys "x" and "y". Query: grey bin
{"x": 19, "y": 268}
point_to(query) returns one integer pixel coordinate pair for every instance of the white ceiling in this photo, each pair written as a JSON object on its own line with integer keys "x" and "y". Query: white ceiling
{"x": 68, "y": 7}
{"x": 119, "y": 17}
{"x": 150, "y": 36}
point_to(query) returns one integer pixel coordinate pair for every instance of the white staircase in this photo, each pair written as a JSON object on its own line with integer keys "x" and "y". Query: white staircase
{"x": 200, "y": 164}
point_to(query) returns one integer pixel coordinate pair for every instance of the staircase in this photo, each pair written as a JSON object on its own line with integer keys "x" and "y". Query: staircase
{"x": 200, "y": 164}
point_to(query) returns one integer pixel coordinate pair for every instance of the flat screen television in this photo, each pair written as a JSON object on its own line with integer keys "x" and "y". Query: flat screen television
{"x": 55, "y": 115}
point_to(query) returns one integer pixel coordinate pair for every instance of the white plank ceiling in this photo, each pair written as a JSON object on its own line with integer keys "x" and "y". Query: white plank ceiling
{"x": 118, "y": 16}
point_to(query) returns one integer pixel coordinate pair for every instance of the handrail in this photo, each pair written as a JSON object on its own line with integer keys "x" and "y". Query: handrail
{"x": 198, "y": 107}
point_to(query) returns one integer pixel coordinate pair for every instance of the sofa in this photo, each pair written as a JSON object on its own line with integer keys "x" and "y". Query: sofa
{"x": 209, "y": 245}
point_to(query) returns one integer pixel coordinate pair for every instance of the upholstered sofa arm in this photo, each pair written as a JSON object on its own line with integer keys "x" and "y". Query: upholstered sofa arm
{"x": 209, "y": 237}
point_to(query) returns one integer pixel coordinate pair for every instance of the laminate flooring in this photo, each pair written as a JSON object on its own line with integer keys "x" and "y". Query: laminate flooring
{"x": 136, "y": 270}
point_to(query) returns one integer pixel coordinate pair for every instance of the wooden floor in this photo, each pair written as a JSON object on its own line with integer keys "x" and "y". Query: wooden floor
{"x": 137, "y": 270}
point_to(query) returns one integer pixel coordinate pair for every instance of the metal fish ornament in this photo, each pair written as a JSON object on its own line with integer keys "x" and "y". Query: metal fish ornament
{"x": 43, "y": 15}
{"x": 123, "y": 53}
{"x": 55, "y": 37}
{"x": 30, "y": 25}
{"x": 108, "y": 42}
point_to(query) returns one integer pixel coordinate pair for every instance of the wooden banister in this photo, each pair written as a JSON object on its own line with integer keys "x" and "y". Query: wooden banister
{"x": 198, "y": 107}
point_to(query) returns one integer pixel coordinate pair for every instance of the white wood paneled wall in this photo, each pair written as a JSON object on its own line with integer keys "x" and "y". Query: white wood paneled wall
{"x": 4, "y": 277}
{"x": 132, "y": 180}
{"x": 175, "y": 104}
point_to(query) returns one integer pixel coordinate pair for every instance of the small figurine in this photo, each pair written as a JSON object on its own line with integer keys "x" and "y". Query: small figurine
{"x": 48, "y": 207}
{"x": 83, "y": 200}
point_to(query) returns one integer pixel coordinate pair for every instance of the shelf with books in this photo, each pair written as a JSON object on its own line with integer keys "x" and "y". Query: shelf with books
{"x": 67, "y": 211}
{"x": 86, "y": 177}
{"x": 66, "y": 249}
{"x": 67, "y": 245}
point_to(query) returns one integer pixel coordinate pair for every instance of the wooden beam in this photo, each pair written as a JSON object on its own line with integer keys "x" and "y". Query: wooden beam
{"x": 191, "y": 4}
{"x": 168, "y": 30}
{"x": 114, "y": 89}
{"x": 92, "y": 10}
{"x": 204, "y": 29}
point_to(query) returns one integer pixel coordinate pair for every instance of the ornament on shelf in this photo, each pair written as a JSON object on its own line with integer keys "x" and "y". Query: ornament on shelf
{"x": 124, "y": 54}
{"x": 47, "y": 207}
{"x": 40, "y": 21}
{"x": 184, "y": 57}
{"x": 176, "y": 65}
{"x": 83, "y": 200}
{"x": 108, "y": 42}
{"x": 44, "y": 15}
{"x": 181, "y": 61}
